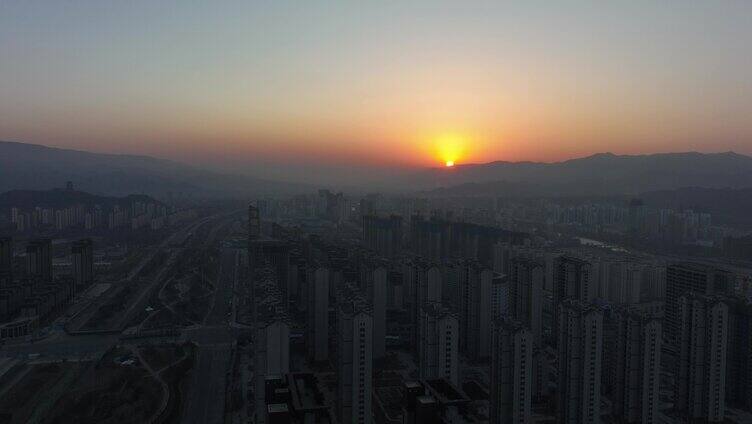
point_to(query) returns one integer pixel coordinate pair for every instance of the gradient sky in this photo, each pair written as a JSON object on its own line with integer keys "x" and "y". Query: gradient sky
{"x": 260, "y": 86}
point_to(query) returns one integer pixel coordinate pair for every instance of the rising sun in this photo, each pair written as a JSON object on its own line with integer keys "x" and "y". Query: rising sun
{"x": 449, "y": 147}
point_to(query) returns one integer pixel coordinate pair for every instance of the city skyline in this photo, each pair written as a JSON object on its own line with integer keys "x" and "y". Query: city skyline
{"x": 374, "y": 309}
{"x": 375, "y": 213}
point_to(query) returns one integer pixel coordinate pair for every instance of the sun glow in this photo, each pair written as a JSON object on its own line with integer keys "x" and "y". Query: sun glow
{"x": 450, "y": 148}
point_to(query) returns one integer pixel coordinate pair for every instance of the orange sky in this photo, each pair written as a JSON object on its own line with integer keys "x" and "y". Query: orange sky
{"x": 375, "y": 85}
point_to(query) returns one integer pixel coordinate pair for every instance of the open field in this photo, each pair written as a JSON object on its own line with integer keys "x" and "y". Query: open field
{"x": 110, "y": 392}
{"x": 29, "y": 394}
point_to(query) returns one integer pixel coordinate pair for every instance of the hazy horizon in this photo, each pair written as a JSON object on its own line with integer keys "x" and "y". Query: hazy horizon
{"x": 356, "y": 176}
{"x": 340, "y": 89}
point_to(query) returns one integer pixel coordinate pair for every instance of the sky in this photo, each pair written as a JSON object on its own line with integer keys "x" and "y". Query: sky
{"x": 289, "y": 89}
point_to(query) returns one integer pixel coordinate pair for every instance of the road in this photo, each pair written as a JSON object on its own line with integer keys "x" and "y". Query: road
{"x": 221, "y": 306}
{"x": 181, "y": 233}
{"x": 62, "y": 347}
{"x": 139, "y": 303}
{"x": 206, "y": 396}
{"x": 136, "y": 305}
{"x": 205, "y": 402}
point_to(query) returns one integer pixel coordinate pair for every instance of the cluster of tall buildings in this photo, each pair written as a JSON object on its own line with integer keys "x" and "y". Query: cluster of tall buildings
{"x": 35, "y": 294}
{"x": 350, "y": 349}
{"x": 563, "y": 332}
{"x": 616, "y": 277}
{"x": 135, "y": 215}
{"x": 439, "y": 239}
{"x": 632, "y": 346}
{"x": 383, "y": 235}
{"x": 334, "y": 208}
{"x": 666, "y": 225}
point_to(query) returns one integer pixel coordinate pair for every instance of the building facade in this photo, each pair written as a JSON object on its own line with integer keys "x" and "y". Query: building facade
{"x": 633, "y": 362}
{"x": 511, "y": 372}
{"x": 580, "y": 349}
{"x": 438, "y": 349}
{"x": 701, "y": 367}
{"x": 354, "y": 360}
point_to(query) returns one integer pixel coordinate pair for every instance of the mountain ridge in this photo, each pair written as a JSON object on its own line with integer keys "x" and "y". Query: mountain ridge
{"x": 38, "y": 167}
{"x": 729, "y": 153}
{"x": 598, "y": 174}
{"x": 58, "y": 198}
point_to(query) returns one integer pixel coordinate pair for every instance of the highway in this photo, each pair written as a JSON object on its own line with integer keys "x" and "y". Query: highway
{"x": 205, "y": 401}
{"x": 62, "y": 347}
{"x": 181, "y": 233}
{"x": 206, "y": 395}
{"x": 221, "y": 305}
{"x": 139, "y": 303}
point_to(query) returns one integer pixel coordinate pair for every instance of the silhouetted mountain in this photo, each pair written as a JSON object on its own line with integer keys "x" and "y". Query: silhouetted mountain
{"x": 61, "y": 198}
{"x": 36, "y": 167}
{"x": 600, "y": 174}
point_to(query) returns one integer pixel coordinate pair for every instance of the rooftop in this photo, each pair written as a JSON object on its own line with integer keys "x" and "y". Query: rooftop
{"x": 305, "y": 393}
{"x": 445, "y": 392}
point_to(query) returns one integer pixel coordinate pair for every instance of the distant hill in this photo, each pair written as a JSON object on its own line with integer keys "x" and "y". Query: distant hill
{"x": 600, "y": 174}
{"x": 35, "y": 167}
{"x": 60, "y": 198}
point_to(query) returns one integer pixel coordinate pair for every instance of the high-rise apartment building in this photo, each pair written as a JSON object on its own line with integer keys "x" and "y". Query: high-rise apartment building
{"x": 271, "y": 338}
{"x": 82, "y": 259}
{"x": 618, "y": 280}
{"x": 254, "y": 223}
{"x": 511, "y": 372}
{"x": 540, "y": 376}
{"x": 500, "y": 302}
{"x": 702, "y": 358}
{"x": 572, "y": 280}
{"x": 422, "y": 283}
{"x": 378, "y": 302}
{"x": 580, "y": 349}
{"x": 633, "y": 365}
{"x": 438, "y": 347}
{"x": 354, "y": 359}
{"x": 739, "y": 367}
{"x": 684, "y": 277}
{"x": 277, "y": 254}
{"x": 475, "y": 298}
{"x": 6, "y": 261}
{"x": 526, "y": 280}
{"x": 39, "y": 259}
{"x": 274, "y": 253}
{"x": 429, "y": 238}
{"x": 503, "y": 253}
{"x": 383, "y": 235}
{"x": 317, "y": 333}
